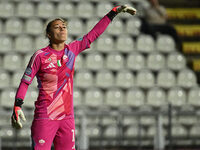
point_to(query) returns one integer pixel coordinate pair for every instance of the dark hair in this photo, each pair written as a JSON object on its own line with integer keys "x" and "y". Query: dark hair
{"x": 47, "y": 30}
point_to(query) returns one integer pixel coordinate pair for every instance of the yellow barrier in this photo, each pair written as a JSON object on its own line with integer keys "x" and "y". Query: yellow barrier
{"x": 183, "y": 13}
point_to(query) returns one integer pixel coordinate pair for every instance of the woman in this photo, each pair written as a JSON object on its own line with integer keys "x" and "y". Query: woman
{"x": 54, "y": 67}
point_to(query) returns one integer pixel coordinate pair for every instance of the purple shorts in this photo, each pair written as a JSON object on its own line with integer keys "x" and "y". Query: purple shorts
{"x": 61, "y": 133}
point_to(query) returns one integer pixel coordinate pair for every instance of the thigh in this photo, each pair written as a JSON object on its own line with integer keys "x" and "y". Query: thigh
{"x": 42, "y": 133}
{"x": 65, "y": 136}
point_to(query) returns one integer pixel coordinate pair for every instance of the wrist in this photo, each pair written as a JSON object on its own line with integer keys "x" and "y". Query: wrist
{"x": 18, "y": 102}
{"x": 111, "y": 15}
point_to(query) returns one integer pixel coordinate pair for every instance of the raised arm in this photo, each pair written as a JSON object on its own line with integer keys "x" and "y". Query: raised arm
{"x": 84, "y": 42}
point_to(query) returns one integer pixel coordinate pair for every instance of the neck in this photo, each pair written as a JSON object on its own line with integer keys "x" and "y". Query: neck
{"x": 57, "y": 47}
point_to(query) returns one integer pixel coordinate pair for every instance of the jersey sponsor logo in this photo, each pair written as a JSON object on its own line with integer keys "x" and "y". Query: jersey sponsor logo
{"x": 51, "y": 65}
{"x": 28, "y": 71}
{"x": 27, "y": 78}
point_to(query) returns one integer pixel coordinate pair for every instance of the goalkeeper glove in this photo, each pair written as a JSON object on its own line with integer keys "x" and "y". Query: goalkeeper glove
{"x": 125, "y": 9}
{"x": 17, "y": 114}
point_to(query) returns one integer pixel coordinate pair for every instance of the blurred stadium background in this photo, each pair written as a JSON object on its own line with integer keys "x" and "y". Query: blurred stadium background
{"x": 154, "y": 99}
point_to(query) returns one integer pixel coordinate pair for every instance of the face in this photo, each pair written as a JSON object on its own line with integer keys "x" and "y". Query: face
{"x": 58, "y": 32}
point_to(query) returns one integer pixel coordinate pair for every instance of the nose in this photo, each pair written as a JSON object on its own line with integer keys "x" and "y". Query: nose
{"x": 62, "y": 28}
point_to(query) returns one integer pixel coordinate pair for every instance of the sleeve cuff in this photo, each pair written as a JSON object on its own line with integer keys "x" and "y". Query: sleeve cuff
{"x": 111, "y": 14}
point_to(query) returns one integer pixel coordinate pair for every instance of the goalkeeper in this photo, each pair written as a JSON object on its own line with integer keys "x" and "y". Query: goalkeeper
{"x": 54, "y": 68}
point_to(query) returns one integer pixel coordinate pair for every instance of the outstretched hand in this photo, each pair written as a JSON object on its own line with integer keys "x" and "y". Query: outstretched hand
{"x": 126, "y": 9}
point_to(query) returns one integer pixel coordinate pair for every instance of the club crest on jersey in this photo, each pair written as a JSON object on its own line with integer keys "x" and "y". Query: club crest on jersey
{"x": 65, "y": 57}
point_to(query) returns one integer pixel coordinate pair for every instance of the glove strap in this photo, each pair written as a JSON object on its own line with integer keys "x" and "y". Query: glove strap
{"x": 18, "y": 102}
{"x": 111, "y": 14}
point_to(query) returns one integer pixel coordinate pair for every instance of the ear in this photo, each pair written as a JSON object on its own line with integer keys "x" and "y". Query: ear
{"x": 48, "y": 35}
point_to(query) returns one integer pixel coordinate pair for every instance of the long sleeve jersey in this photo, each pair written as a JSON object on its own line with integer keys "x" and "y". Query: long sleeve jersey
{"x": 54, "y": 71}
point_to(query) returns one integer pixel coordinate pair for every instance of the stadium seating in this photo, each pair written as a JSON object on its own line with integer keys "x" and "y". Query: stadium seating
{"x": 135, "y": 97}
{"x": 40, "y": 42}
{"x": 45, "y": 10}
{"x": 65, "y": 9}
{"x": 186, "y": 78}
{"x": 93, "y": 131}
{"x": 6, "y": 9}
{"x": 116, "y": 28}
{"x": 103, "y": 8}
{"x": 176, "y": 96}
{"x": 4, "y": 79}
{"x": 125, "y": 44}
{"x": 79, "y": 63}
{"x": 135, "y": 61}
{"x": 29, "y": 101}
{"x": 12, "y": 61}
{"x": 195, "y": 131}
{"x": 94, "y": 97}
{"x": 75, "y": 27}
{"x": 26, "y": 59}
{"x": 1, "y": 27}
{"x": 91, "y": 23}
{"x": 176, "y": 58}
{"x": 193, "y": 96}
{"x": 132, "y": 131}
{"x": 7, "y": 98}
{"x": 84, "y": 79}
{"x": 114, "y": 97}
{"x": 111, "y": 131}
{"x": 129, "y": 120}
{"x": 105, "y": 44}
{"x": 145, "y": 43}
{"x": 25, "y": 9}
{"x": 133, "y": 26}
{"x": 145, "y": 79}
{"x": 120, "y": 82}
{"x": 166, "y": 78}
{"x": 94, "y": 61}
{"x": 33, "y": 26}
{"x": 85, "y": 13}
{"x": 125, "y": 79}
{"x": 104, "y": 79}
{"x": 165, "y": 43}
{"x": 114, "y": 61}
{"x": 78, "y": 97}
{"x": 155, "y": 61}
{"x": 15, "y": 78}
{"x": 23, "y": 43}
{"x": 13, "y": 26}
{"x": 156, "y": 97}
{"x": 6, "y": 43}
{"x": 179, "y": 131}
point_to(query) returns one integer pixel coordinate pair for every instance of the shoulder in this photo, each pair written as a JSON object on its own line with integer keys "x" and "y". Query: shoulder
{"x": 36, "y": 57}
{"x": 40, "y": 52}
